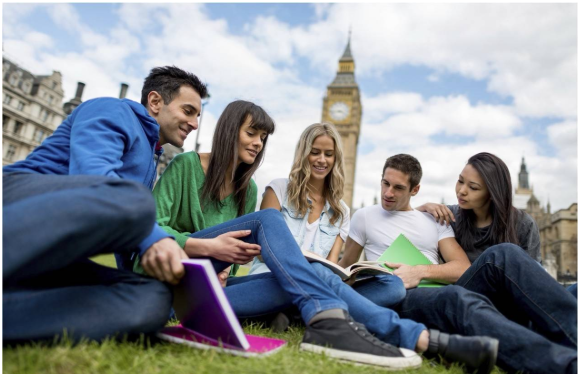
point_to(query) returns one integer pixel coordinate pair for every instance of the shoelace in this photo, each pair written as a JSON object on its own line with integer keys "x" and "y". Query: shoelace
{"x": 366, "y": 334}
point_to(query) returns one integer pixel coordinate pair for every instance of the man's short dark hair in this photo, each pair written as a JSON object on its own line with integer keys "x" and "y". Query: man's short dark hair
{"x": 167, "y": 81}
{"x": 407, "y": 164}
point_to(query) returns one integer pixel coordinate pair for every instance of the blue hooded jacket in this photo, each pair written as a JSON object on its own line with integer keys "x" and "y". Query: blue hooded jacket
{"x": 104, "y": 136}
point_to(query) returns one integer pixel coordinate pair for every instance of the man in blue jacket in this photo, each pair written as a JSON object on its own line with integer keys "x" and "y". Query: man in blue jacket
{"x": 86, "y": 191}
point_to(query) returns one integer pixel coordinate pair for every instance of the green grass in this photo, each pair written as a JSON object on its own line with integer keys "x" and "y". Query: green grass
{"x": 143, "y": 357}
{"x": 148, "y": 356}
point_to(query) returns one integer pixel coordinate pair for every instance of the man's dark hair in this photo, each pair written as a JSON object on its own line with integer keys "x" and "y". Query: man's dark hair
{"x": 167, "y": 81}
{"x": 407, "y": 164}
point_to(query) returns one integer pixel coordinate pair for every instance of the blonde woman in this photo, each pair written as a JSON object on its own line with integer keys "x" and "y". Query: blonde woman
{"x": 310, "y": 199}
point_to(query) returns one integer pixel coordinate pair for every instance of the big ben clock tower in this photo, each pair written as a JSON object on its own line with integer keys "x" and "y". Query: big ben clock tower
{"x": 342, "y": 107}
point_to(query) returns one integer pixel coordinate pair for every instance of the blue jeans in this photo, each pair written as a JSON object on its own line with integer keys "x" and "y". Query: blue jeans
{"x": 261, "y": 294}
{"x": 52, "y": 224}
{"x": 455, "y": 309}
{"x": 573, "y": 289}
{"x": 282, "y": 255}
{"x": 524, "y": 292}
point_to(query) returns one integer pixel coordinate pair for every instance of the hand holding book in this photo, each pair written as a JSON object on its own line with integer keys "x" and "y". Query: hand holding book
{"x": 403, "y": 256}
{"x": 409, "y": 274}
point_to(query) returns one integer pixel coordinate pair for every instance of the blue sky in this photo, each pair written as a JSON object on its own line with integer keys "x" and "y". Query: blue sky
{"x": 436, "y": 80}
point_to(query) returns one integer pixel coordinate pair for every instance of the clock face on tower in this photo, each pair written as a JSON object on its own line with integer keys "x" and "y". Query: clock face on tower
{"x": 339, "y": 111}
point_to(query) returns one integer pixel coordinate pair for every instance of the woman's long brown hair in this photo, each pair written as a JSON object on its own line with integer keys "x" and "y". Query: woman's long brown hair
{"x": 224, "y": 153}
{"x": 503, "y": 228}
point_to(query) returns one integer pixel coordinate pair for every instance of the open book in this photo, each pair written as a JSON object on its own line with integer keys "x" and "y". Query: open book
{"x": 207, "y": 318}
{"x": 354, "y": 273}
{"x": 402, "y": 251}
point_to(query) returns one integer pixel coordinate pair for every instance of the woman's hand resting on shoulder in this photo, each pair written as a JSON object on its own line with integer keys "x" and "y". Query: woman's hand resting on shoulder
{"x": 440, "y": 212}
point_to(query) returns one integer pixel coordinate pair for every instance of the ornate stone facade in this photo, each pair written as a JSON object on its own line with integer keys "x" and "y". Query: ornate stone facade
{"x": 31, "y": 110}
{"x": 559, "y": 242}
{"x": 558, "y": 231}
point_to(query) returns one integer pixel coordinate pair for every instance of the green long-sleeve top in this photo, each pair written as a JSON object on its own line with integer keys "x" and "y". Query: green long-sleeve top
{"x": 178, "y": 195}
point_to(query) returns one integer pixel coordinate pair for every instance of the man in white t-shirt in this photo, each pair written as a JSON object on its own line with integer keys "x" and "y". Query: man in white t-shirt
{"x": 375, "y": 227}
{"x": 452, "y": 309}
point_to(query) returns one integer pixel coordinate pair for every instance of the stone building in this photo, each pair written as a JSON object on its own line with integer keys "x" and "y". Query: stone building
{"x": 558, "y": 231}
{"x": 31, "y": 110}
{"x": 559, "y": 242}
{"x": 342, "y": 107}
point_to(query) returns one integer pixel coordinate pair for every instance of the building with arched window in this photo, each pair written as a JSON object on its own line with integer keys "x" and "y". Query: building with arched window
{"x": 558, "y": 231}
{"x": 31, "y": 110}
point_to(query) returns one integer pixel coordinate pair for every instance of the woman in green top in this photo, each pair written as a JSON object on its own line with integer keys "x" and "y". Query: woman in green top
{"x": 198, "y": 191}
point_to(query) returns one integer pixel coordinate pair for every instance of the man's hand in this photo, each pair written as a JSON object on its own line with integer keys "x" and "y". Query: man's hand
{"x": 227, "y": 247}
{"x": 163, "y": 261}
{"x": 223, "y": 276}
{"x": 411, "y": 275}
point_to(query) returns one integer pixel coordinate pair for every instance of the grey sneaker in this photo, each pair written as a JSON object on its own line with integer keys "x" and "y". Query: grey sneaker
{"x": 348, "y": 340}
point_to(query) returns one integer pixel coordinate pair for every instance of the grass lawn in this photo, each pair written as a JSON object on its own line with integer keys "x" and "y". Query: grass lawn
{"x": 160, "y": 357}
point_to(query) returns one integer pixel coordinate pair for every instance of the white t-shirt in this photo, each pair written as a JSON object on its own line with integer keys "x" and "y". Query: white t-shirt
{"x": 310, "y": 234}
{"x": 280, "y": 188}
{"x": 375, "y": 229}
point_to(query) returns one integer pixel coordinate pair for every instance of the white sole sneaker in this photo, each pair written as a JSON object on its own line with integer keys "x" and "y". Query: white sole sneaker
{"x": 410, "y": 359}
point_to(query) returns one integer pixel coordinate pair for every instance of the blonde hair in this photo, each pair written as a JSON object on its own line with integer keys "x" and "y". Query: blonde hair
{"x": 298, "y": 187}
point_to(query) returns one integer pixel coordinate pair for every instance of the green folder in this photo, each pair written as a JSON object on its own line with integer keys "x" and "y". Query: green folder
{"x": 402, "y": 251}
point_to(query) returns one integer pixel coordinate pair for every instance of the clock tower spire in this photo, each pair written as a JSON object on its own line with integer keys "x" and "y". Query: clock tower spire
{"x": 342, "y": 107}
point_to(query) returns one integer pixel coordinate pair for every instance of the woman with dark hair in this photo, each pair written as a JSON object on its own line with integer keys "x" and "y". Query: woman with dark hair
{"x": 485, "y": 215}
{"x": 503, "y": 245}
{"x": 198, "y": 191}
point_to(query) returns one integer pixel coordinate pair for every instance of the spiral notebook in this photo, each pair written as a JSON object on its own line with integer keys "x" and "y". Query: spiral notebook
{"x": 207, "y": 318}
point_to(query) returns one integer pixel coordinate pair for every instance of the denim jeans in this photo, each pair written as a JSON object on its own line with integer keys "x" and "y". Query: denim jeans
{"x": 260, "y": 294}
{"x": 523, "y": 292}
{"x": 283, "y": 257}
{"x": 455, "y": 309}
{"x": 52, "y": 224}
{"x": 573, "y": 289}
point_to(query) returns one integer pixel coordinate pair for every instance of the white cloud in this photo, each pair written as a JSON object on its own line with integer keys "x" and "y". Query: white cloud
{"x": 66, "y": 17}
{"x": 12, "y": 14}
{"x": 416, "y": 120}
{"x": 38, "y": 40}
{"x": 271, "y": 40}
{"x": 378, "y": 107}
{"x": 526, "y": 51}
{"x": 564, "y": 137}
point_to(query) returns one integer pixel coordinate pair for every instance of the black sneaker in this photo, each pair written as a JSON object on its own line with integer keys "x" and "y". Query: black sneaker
{"x": 478, "y": 353}
{"x": 348, "y": 340}
{"x": 280, "y": 323}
